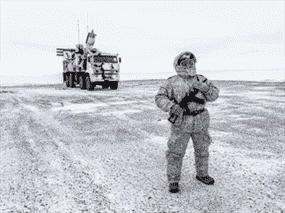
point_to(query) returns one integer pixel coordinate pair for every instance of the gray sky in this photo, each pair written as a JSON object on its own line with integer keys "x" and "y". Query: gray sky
{"x": 235, "y": 40}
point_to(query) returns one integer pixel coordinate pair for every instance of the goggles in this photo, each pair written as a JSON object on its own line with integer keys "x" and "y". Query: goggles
{"x": 187, "y": 63}
{"x": 187, "y": 60}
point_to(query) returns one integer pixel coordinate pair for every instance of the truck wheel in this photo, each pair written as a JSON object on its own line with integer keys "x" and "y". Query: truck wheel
{"x": 82, "y": 82}
{"x": 67, "y": 80}
{"x": 89, "y": 85}
{"x": 71, "y": 80}
{"x": 114, "y": 85}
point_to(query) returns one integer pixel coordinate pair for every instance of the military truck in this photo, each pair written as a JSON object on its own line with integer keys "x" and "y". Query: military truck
{"x": 89, "y": 67}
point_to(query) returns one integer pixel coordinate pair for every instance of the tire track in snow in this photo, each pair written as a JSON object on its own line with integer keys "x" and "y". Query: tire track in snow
{"x": 43, "y": 144}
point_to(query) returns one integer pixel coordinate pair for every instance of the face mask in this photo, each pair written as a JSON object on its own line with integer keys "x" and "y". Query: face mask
{"x": 191, "y": 71}
{"x": 189, "y": 66}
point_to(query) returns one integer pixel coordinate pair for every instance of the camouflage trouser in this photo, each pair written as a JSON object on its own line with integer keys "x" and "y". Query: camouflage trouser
{"x": 195, "y": 127}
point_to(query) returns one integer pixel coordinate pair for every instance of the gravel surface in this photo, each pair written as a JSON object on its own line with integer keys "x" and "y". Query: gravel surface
{"x": 67, "y": 150}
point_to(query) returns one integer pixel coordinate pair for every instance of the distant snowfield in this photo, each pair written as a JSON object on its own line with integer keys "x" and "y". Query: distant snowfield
{"x": 71, "y": 150}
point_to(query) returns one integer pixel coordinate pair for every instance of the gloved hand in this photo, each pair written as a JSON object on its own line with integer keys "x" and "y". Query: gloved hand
{"x": 176, "y": 109}
{"x": 176, "y": 116}
{"x": 202, "y": 86}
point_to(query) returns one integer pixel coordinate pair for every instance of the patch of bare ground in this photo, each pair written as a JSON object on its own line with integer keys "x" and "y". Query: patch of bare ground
{"x": 71, "y": 150}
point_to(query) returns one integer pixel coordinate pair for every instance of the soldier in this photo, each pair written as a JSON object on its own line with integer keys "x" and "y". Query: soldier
{"x": 184, "y": 96}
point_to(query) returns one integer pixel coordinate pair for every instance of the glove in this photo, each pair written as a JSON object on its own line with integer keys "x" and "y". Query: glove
{"x": 176, "y": 109}
{"x": 202, "y": 86}
{"x": 176, "y": 116}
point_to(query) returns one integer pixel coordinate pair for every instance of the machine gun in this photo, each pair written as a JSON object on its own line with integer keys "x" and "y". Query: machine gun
{"x": 190, "y": 97}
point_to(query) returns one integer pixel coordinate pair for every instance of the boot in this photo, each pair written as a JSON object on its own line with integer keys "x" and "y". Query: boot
{"x": 208, "y": 180}
{"x": 173, "y": 187}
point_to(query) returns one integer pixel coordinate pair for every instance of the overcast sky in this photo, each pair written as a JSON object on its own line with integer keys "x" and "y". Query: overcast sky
{"x": 234, "y": 40}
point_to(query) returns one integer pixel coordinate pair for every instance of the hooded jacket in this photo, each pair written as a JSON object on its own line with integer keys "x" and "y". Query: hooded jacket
{"x": 175, "y": 88}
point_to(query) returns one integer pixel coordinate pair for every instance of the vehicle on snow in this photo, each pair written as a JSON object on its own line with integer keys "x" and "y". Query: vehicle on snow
{"x": 88, "y": 67}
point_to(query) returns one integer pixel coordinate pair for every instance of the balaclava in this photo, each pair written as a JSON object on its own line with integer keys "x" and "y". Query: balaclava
{"x": 185, "y": 64}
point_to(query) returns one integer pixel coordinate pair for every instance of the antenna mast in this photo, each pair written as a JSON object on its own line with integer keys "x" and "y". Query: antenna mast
{"x": 78, "y": 31}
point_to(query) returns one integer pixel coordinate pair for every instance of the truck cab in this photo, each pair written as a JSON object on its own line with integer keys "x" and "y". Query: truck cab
{"x": 104, "y": 69}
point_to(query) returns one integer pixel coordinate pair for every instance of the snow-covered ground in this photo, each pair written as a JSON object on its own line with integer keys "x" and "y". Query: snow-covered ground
{"x": 69, "y": 150}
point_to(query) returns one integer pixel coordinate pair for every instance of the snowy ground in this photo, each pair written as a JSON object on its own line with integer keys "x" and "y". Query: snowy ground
{"x": 68, "y": 150}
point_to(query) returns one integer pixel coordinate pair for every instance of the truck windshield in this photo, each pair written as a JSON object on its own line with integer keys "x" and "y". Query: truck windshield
{"x": 105, "y": 59}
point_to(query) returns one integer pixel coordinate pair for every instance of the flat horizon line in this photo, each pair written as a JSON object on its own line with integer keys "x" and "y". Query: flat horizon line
{"x": 54, "y": 84}
{"x": 173, "y": 72}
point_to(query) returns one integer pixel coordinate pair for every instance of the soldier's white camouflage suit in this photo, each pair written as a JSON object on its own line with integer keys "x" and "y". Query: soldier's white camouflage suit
{"x": 196, "y": 127}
